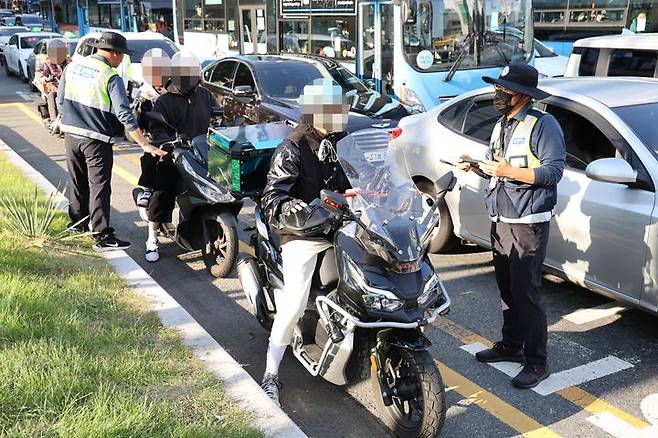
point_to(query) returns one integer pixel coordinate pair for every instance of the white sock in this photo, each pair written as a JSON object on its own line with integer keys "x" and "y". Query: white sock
{"x": 153, "y": 234}
{"x": 274, "y": 357}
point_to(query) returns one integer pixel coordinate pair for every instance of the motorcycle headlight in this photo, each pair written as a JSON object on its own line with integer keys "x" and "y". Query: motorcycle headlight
{"x": 431, "y": 292}
{"x": 374, "y": 298}
{"x": 209, "y": 190}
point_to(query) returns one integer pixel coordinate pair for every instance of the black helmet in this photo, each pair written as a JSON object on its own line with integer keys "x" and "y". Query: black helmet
{"x": 309, "y": 222}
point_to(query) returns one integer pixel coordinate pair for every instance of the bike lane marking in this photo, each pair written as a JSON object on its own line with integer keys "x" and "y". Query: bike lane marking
{"x": 562, "y": 379}
{"x": 573, "y": 394}
{"x": 492, "y": 404}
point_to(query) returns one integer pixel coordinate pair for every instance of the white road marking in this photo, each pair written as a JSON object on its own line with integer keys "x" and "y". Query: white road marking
{"x": 26, "y": 96}
{"x": 563, "y": 379}
{"x": 649, "y": 407}
{"x": 616, "y": 427}
{"x": 585, "y": 316}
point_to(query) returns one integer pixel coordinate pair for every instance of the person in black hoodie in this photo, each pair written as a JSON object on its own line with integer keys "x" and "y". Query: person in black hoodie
{"x": 187, "y": 107}
{"x": 302, "y": 165}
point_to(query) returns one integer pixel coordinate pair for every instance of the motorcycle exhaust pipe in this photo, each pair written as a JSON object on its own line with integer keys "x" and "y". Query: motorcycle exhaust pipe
{"x": 251, "y": 281}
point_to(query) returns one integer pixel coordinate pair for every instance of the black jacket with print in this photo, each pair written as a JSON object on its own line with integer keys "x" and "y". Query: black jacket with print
{"x": 297, "y": 172}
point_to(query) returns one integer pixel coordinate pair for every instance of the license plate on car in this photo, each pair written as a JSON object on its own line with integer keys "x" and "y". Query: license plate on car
{"x": 375, "y": 156}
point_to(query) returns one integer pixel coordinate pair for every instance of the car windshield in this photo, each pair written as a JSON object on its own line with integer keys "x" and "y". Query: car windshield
{"x": 9, "y": 21}
{"x": 139, "y": 47}
{"x": 27, "y": 20}
{"x": 29, "y": 42}
{"x": 9, "y": 32}
{"x": 472, "y": 33}
{"x": 286, "y": 80}
{"x": 642, "y": 120}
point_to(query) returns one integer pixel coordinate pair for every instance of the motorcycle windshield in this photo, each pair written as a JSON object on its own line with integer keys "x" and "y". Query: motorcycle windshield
{"x": 393, "y": 209}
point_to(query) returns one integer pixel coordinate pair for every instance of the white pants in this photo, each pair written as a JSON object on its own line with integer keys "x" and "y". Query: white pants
{"x": 299, "y": 258}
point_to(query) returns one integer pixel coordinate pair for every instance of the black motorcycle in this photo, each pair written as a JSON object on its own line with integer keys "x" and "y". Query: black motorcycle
{"x": 205, "y": 214}
{"x": 372, "y": 293}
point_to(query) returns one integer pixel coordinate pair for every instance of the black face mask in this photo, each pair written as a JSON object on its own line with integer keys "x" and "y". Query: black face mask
{"x": 185, "y": 84}
{"x": 502, "y": 102}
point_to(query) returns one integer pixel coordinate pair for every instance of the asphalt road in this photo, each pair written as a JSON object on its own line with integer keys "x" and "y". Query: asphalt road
{"x": 610, "y": 389}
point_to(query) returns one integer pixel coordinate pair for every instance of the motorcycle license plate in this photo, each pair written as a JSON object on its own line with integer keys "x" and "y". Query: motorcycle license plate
{"x": 375, "y": 156}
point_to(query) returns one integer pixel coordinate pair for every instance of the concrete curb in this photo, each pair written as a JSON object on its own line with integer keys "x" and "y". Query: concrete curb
{"x": 238, "y": 384}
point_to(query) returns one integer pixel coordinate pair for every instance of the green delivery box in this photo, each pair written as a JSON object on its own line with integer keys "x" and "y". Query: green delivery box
{"x": 239, "y": 157}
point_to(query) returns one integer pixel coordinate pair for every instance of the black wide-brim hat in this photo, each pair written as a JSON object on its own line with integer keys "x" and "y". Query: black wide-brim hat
{"x": 519, "y": 77}
{"x": 112, "y": 41}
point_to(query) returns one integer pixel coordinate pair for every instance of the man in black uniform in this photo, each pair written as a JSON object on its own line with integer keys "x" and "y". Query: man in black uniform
{"x": 525, "y": 163}
{"x": 303, "y": 165}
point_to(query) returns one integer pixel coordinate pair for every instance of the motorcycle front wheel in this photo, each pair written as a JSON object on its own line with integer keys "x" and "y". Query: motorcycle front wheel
{"x": 220, "y": 246}
{"x": 418, "y": 408}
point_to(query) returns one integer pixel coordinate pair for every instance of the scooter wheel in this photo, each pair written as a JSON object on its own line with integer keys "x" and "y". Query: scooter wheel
{"x": 418, "y": 409}
{"x": 220, "y": 248}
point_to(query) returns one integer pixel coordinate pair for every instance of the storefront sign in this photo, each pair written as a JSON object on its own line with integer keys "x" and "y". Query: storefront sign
{"x": 318, "y": 7}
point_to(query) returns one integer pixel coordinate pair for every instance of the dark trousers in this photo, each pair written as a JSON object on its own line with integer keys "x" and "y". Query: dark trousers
{"x": 161, "y": 176}
{"x": 519, "y": 251}
{"x": 89, "y": 163}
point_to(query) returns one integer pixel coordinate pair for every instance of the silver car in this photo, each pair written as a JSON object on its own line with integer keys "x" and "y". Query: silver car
{"x": 605, "y": 232}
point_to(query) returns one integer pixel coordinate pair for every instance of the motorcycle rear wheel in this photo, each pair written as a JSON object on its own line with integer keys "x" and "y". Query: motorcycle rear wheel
{"x": 220, "y": 248}
{"x": 422, "y": 413}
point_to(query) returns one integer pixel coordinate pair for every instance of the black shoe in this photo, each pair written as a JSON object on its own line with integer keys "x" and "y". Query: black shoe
{"x": 109, "y": 242}
{"x": 531, "y": 375}
{"x": 499, "y": 352}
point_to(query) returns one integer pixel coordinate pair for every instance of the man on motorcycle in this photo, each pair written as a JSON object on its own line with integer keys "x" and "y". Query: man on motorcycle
{"x": 187, "y": 107}
{"x": 302, "y": 165}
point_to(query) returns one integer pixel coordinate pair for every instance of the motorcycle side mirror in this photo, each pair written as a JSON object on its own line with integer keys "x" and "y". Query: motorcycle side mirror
{"x": 445, "y": 183}
{"x": 332, "y": 201}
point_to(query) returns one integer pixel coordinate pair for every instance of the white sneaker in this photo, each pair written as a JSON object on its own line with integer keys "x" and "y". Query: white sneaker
{"x": 152, "y": 251}
{"x": 271, "y": 386}
{"x": 144, "y": 198}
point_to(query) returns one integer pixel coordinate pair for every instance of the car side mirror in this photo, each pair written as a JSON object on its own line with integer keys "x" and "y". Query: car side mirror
{"x": 612, "y": 170}
{"x": 244, "y": 91}
{"x": 332, "y": 201}
{"x": 445, "y": 184}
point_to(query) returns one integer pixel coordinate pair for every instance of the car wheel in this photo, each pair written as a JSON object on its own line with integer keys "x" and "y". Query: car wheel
{"x": 443, "y": 236}
{"x": 30, "y": 79}
{"x": 21, "y": 73}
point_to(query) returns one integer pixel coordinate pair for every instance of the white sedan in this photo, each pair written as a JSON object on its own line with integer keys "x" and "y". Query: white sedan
{"x": 605, "y": 232}
{"x": 19, "y": 47}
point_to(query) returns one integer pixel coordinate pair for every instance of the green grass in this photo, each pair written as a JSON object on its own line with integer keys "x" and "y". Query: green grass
{"x": 81, "y": 356}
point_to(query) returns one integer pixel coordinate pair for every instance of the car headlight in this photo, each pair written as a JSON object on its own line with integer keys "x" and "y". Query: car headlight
{"x": 431, "y": 292}
{"x": 409, "y": 98}
{"x": 374, "y": 298}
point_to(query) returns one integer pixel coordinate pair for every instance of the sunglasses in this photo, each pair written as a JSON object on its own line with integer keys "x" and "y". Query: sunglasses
{"x": 504, "y": 90}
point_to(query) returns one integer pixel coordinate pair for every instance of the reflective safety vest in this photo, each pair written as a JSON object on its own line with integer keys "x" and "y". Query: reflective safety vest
{"x": 518, "y": 154}
{"x": 87, "y": 109}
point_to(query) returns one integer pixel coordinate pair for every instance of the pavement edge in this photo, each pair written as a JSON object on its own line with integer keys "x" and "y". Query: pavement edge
{"x": 239, "y": 385}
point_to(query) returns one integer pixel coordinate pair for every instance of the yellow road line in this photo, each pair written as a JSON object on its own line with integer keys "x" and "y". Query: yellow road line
{"x": 118, "y": 170}
{"x": 575, "y": 395}
{"x": 492, "y": 404}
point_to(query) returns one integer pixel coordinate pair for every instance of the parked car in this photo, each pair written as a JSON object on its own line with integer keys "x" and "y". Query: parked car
{"x": 30, "y": 21}
{"x": 5, "y": 34}
{"x": 138, "y": 42}
{"x": 627, "y": 54}
{"x": 605, "y": 232}
{"x": 19, "y": 47}
{"x": 260, "y": 89}
{"x": 547, "y": 62}
{"x": 40, "y": 54}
